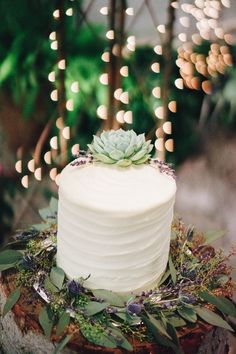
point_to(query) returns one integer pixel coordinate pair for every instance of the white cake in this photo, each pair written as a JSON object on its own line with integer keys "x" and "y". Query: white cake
{"x": 114, "y": 224}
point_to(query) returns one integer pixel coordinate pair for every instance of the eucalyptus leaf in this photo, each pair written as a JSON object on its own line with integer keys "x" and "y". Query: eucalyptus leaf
{"x": 159, "y": 325}
{"x": 211, "y": 235}
{"x": 188, "y": 314}
{"x": 63, "y": 322}
{"x": 7, "y": 266}
{"x": 212, "y": 318}
{"x": 222, "y": 304}
{"x": 50, "y": 286}
{"x": 57, "y": 276}
{"x": 102, "y": 339}
{"x": 93, "y": 307}
{"x": 172, "y": 270}
{"x": 172, "y": 332}
{"x": 176, "y": 321}
{"x": 62, "y": 344}
{"x": 11, "y": 301}
{"x": 158, "y": 337}
{"x": 9, "y": 256}
{"x": 46, "y": 320}
{"x": 120, "y": 339}
{"x": 112, "y": 298}
{"x": 126, "y": 317}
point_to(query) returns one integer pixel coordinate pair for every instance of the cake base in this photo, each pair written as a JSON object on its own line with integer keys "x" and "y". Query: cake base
{"x": 21, "y": 333}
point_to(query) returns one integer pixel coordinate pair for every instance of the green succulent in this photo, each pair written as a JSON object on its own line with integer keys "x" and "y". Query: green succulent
{"x": 120, "y": 147}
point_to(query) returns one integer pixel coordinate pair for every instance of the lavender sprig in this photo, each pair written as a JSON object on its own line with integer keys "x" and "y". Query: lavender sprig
{"x": 164, "y": 167}
{"x": 82, "y": 158}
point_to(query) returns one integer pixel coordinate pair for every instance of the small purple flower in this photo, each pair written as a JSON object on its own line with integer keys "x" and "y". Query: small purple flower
{"x": 134, "y": 309}
{"x": 187, "y": 298}
{"x": 26, "y": 235}
{"x": 74, "y": 288}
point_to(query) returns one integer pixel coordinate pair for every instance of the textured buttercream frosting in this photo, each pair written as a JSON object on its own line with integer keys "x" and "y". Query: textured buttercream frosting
{"x": 114, "y": 224}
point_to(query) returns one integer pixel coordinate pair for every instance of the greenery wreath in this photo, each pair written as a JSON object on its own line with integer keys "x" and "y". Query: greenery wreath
{"x": 195, "y": 287}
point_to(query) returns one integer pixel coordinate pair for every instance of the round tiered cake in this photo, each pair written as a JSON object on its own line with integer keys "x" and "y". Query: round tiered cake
{"x": 114, "y": 222}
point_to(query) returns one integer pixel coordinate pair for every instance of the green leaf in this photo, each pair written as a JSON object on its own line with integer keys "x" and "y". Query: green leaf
{"x": 211, "y": 235}
{"x": 104, "y": 158}
{"x": 63, "y": 322}
{"x": 158, "y": 337}
{"x": 221, "y": 303}
{"x": 46, "y": 320}
{"x": 120, "y": 339}
{"x": 8, "y": 257}
{"x": 126, "y": 317}
{"x": 50, "y": 286}
{"x": 102, "y": 339}
{"x": 7, "y": 266}
{"x": 172, "y": 332}
{"x": 212, "y": 318}
{"x": 188, "y": 314}
{"x": 172, "y": 270}
{"x": 159, "y": 325}
{"x": 62, "y": 344}
{"x": 164, "y": 277}
{"x": 57, "y": 277}
{"x": 123, "y": 163}
{"x": 94, "y": 307}
{"x": 112, "y": 298}
{"x": 11, "y": 301}
{"x": 176, "y": 321}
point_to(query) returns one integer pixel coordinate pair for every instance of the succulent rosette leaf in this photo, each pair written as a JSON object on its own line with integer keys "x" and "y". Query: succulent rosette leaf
{"x": 121, "y": 147}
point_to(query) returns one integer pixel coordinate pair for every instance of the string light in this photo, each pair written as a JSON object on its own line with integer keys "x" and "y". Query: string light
{"x": 102, "y": 112}
{"x": 75, "y": 149}
{"x": 59, "y": 123}
{"x": 18, "y": 166}
{"x": 120, "y": 116}
{"x": 52, "y": 76}
{"x": 124, "y": 71}
{"x": 179, "y": 83}
{"x": 156, "y": 91}
{"x": 104, "y": 79}
{"x": 117, "y": 93}
{"x": 69, "y": 12}
{"x": 172, "y": 106}
{"x": 48, "y": 157}
{"x": 159, "y": 132}
{"x": 61, "y": 64}
{"x": 161, "y": 28}
{"x": 129, "y": 11}
{"x": 167, "y": 127}
{"x": 75, "y": 87}
{"x": 56, "y": 14}
{"x": 53, "y": 173}
{"x": 54, "y": 45}
{"x": 155, "y": 67}
{"x": 159, "y": 144}
{"x": 159, "y": 112}
{"x": 66, "y": 133}
{"x": 104, "y": 10}
{"x": 25, "y": 181}
{"x": 158, "y": 49}
{"x": 54, "y": 95}
{"x": 52, "y": 36}
{"x": 106, "y": 57}
{"x": 110, "y": 34}
{"x": 38, "y": 174}
{"x": 128, "y": 117}
{"x": 31, "y": 165}
{"x": 54, "y": 142}
{"x": 169, "y": 145}
{"x": 124, "y": 97}
{"x": 70, "y": 105}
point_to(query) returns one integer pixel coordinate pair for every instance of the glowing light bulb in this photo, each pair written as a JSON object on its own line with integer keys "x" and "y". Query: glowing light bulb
{"x": 124, "y": 97}
{"x": 159, "y": 132}
{"x": 156, "y": 92}
{"x": 175, "y": 4}
{"x": 110, "y": 34}
{"x": 48, "y": 157}
{"x": 182, "y": 37}
{"x": 155, "y": 67}
{"x": 207, "y": 87}
{"x": 104, "y": 10}
{"x": 106, "y": 57}
{"x": 56, "y": 13}
{"x": 54, "y": 95}
{"x": 59, "y": 123}
{"x": 61, "y": 64}
{"x": 25, "y": 181}
{"x": 159, "y": 112}
{"x": 169, "y": 145}
{"x": 184, "y": 20}
{"x": 53, "y": 173}
{"x": 226, "y": 3}
{"x": 52, "y": 36}
{"x": 120, "y": 116}
{"x": 52, "y": 76}
{"x": 66, "y": 133}
{"x": 54, "y": 45}
{"x": 117, "y": 93}
{"x": 128, "y": 117}
{"x": 75, "y": 149}
{"x": 167, "y": 127}
{"x": 161, "y": 28}
{"x": 124, "y": 70}
{"x": 70, "y": 105}
{"x": 54, "y": 142}
{"x": 75, "y": 87}
{"x": 158, "y": 49}
{"x": 172, "y": 106}
{"x": 219, "y": 32}
{"x": 102, "y": 112}
{"x": 18, "y": 166}
{"x": 104, "y": 79}
{"x": 31, "y": 165}
{"x": 159, "y": 144}
{"x": 69, "y": 12}
{"x": 38, "y": 174}
{"x": 129, "y": 11}
{"x": 179, "y": 83}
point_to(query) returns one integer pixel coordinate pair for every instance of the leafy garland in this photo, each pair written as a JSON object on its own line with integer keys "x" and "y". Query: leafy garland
{"x": 196, "y": 286}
